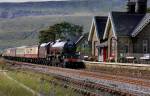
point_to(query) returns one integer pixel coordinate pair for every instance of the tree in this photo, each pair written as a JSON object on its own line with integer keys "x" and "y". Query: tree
{"x": 62, "y": 30}
{"x": 46, "y": 35}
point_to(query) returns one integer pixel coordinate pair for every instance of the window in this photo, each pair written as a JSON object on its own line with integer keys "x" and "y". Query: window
{"x": 145, "y": 46}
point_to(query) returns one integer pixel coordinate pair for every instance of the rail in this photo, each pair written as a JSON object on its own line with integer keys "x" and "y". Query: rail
{"x": 115, "y": 84}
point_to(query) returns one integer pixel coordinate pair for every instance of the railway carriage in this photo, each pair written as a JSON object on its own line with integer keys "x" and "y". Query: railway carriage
{"x": 59, "y": 53}
{"x": 44, "y": 53}
{"x": 20, "y": 53}
{"x": 43, "y": 50}
{"x": 6, "y": 53}
{"x": 13, "y": 52}
{"x": 31, "y": 53}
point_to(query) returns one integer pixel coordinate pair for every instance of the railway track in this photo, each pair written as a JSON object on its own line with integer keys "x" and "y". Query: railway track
{"x": 93, "y": 83}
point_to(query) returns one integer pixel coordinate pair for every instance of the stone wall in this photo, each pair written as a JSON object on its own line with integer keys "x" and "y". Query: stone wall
{"x": 122, "y": 69}
{"x": 125, "y": 45}
{"x": 95, "y": 41}
{"x": 138, "y": 40}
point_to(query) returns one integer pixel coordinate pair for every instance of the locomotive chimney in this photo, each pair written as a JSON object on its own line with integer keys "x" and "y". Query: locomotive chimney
{"x": 131, "y": 6}
{"x": 141, "y": 6}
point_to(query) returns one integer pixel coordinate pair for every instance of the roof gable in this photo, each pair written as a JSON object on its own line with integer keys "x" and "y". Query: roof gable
{"x": 125, "y": 23}
{"x": 109, "y": 26}
{"x": 99, "y": 23}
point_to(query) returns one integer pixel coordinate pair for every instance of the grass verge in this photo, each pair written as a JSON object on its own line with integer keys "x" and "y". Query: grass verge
{"x": 33, "y": 80}
{"x": 10, "y": 88}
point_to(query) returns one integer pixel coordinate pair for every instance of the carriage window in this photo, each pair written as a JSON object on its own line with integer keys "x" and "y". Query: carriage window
{"x": 145, "y": 46}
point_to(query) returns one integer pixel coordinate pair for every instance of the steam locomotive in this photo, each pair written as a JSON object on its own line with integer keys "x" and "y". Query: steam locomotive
{"x": 59, "y": 53}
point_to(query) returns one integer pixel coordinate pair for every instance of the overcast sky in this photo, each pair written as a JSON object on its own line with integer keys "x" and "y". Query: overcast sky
{"x": 28, "y": 0}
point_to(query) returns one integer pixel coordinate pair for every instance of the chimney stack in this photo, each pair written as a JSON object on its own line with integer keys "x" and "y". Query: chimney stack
{"x": 131, "y": 6}
{"x": 141, "y": 6}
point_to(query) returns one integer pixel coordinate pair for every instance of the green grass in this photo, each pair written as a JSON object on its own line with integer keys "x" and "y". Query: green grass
{"x": 10, "y": 88}
{"x": 32, "y": 80}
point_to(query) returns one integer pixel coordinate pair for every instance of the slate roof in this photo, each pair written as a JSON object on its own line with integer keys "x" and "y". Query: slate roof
{"x": 124, "y": 23}
{"x": 142, "y": 24}
{"x": 100, "y": 22}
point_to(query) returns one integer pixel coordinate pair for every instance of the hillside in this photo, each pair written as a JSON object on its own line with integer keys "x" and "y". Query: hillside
{"x": 24, "y": 30}
{"x": 85, "y": 7}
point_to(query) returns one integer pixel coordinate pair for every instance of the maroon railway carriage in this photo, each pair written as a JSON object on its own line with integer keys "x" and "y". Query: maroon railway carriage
{"x": 44, "y": 49}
